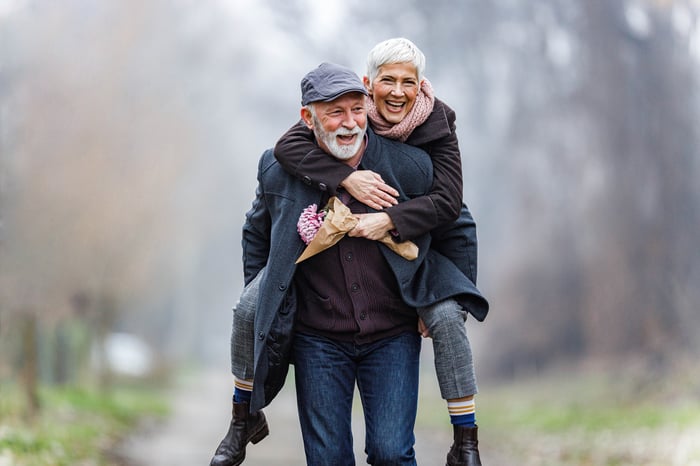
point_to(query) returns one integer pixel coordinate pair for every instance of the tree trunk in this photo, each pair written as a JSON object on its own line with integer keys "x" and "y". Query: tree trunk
{"x": 30, "y": 363}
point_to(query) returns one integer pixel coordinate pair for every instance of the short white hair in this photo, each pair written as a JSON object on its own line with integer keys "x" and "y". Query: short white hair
{"x": 396, "y": 50}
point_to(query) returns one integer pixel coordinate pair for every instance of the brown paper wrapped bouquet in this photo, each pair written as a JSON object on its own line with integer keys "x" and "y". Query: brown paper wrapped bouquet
{"x": 321, "y": 230}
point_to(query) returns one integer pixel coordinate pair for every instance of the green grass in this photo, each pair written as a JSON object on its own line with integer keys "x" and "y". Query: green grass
{"x": 580, "y": 418}
{"x": 584, "y": 402}
{"x": 75, "y": 426}
{"x": 592, "y": 416}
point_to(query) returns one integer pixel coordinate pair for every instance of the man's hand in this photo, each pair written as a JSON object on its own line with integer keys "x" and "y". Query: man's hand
{"x": 372, "y": 226}
{"x": 423, "y": 329}
{"x": 369, "y": 188}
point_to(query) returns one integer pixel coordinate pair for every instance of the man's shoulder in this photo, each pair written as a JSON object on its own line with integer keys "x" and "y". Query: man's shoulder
{"x": 268, "y": 164}
{"x": 271, "y": 174}
{"x": 396, "y": 147}
{"x": 267, "y": 159}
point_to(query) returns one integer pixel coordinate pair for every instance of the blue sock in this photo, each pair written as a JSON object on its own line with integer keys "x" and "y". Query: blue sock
{"x": 242, "y": 390}
{"x": 462, "y": 413}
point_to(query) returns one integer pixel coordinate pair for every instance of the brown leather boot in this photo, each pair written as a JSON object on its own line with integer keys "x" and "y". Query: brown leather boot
{"x": 245, "y": 427}
{"x": 465, "y": 449}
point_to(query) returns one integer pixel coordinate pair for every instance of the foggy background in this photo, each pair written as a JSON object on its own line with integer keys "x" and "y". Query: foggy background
{"x": 130, "y": 133}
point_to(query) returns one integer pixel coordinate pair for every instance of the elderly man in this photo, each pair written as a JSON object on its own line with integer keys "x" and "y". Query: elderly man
{"x": 346, "y": 316}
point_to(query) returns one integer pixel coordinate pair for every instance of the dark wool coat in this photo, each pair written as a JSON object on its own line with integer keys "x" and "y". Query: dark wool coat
{"x": 270, "y": 241}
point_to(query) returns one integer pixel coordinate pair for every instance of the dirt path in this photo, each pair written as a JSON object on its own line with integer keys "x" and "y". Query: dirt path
{"x": 200, "y": 417}
{"x": 201, "y": 412}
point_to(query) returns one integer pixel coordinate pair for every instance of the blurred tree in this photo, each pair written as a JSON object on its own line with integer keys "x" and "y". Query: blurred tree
{"x": 88, "y": 205}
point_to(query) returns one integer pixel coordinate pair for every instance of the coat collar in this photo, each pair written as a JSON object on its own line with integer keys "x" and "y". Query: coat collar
{"x": 435, "y": 127}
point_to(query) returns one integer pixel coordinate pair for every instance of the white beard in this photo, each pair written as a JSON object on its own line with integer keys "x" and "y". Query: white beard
{"x": 340, "y": 151}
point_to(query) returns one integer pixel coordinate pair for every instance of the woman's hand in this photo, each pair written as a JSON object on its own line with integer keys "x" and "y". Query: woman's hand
{"x": 372, "y": 226}
{"x": 369, "y": 188}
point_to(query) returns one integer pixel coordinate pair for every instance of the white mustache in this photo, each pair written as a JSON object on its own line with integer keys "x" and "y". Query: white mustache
{"x": 347, "y": 132}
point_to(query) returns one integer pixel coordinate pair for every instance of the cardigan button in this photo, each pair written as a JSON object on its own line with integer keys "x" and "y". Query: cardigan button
{"x": 306, "y": 180}
{"x": 322, "y": 187}
{"x": 282, "y": 286}
{"x": 261, "y": 336}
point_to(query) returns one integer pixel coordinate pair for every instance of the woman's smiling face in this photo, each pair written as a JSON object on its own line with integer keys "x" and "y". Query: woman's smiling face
{"x": 394, "y": 90}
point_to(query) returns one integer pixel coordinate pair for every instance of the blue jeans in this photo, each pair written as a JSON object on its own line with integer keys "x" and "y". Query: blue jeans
{"x": 386, "y": 373}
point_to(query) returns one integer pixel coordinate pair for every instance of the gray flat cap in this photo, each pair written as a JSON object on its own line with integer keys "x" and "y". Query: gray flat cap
{"x": 329, "y": 81}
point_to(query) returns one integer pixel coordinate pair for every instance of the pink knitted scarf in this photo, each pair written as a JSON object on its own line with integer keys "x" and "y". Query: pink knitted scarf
{"x": 416, "y": 117}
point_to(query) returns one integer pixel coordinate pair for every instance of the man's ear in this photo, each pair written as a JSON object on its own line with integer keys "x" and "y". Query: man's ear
{"x": 306, "y": 116}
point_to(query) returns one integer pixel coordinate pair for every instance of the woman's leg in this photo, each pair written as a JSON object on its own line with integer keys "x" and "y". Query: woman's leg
{"x": 243, "y": 331}
{"x": 245, "y": 427}
{"x": 455, "y": 372}
{"x": 454, "y": 365}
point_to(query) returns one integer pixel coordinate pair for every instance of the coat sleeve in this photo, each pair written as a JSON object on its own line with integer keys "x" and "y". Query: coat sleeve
{"x": 299, "y": 155}
{"x": 256, "y": 233}
{"x": 446, "y": 192}
{"x": 444, "y": 201}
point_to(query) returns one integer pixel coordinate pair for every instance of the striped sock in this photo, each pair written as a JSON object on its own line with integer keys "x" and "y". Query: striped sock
{"x": 242, "y": 390}
{"x": 462, "y": 413}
